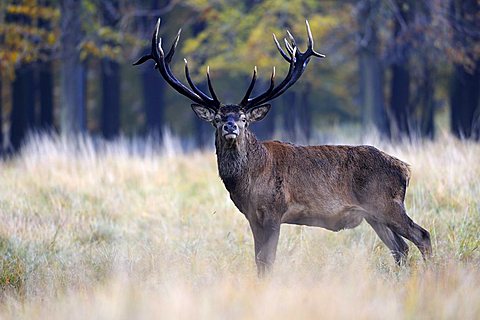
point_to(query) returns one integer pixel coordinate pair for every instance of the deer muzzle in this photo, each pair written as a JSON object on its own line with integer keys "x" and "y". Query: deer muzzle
{"x": 230, "y": 130}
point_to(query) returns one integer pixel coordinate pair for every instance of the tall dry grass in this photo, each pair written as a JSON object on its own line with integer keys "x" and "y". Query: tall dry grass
{"x": 121, "y": 234}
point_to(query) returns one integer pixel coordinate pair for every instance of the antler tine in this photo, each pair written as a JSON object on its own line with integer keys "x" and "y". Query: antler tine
{"x": 270, "y": 87}
{"x": 250, "y": 87}
{"x": 210, "y": 87}
{"x": 157, "y": 45}
{"x": 252, "y": 102}
{"x": 292, "y": 39}
{"x": 310, "y": 42}
{"x": 193, "y": 86}
{"x": 143, "y": 59}
{"x": 288, "y": 46}
{"x": 284, "y": 55}
{"x": 309, "y": 33}
{"x": 170, "y": 53}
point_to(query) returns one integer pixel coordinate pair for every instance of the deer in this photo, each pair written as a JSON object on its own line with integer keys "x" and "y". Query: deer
{"x": 334, "y": 187}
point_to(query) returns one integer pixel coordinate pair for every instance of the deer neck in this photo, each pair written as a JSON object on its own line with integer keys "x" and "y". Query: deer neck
{"x": 239, "y": 159}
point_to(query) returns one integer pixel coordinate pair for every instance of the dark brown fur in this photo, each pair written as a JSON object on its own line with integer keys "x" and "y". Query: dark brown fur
{"x": 334, "y": 187}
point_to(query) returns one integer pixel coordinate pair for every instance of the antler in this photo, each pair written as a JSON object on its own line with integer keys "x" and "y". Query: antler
{"x": 162, "y": 62}
{"x": 298, "y": 62}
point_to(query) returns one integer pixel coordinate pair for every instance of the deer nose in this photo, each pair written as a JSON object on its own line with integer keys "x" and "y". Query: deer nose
{"x": 230, "y": 126}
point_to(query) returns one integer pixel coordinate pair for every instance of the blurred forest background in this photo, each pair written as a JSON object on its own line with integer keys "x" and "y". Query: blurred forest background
{"x": 401, "y": 68}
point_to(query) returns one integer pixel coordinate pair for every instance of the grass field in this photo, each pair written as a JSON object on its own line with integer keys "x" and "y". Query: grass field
{"x": 118, "y": 235}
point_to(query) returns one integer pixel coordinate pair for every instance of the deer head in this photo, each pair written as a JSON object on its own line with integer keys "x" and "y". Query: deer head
{"x": 231, "y": 120}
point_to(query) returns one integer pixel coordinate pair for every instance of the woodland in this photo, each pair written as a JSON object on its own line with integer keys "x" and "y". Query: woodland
{"x": 403, "y": 69}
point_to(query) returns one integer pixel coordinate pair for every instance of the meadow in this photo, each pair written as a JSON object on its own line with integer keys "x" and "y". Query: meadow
{"x": 113, "y": 233}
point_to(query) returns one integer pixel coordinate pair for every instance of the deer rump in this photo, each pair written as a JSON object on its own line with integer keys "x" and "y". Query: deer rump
{"x": 333, "y": 187}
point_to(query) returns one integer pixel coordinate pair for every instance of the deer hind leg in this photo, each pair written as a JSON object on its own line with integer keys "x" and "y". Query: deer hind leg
{"x": 393, "y": 241}
{"x": 265, "y": 239}
{"x": 399, "y": 222}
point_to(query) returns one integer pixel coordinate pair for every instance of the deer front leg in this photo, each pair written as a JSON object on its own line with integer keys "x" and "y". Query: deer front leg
{"x": 265, "y": 238}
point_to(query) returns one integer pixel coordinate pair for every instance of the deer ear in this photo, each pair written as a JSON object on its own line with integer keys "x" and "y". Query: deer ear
{"x": 203, "y": 113}
{"x": 258, "y": 113}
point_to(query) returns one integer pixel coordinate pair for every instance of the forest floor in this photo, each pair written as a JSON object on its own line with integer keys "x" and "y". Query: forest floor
{"x": 117, "y": 235}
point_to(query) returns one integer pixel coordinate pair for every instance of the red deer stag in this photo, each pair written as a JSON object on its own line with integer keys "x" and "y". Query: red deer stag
{"x": 333, "y": 187}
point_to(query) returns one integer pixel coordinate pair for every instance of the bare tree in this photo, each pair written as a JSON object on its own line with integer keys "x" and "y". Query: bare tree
{"x": 465, "y": 82}
{"x": 72, "y": 70}
{"x": 371, "y": 69}
{"x": 1, "y": 118}
{"x": 400, "y": 83}
{"x": 110, "y": 74}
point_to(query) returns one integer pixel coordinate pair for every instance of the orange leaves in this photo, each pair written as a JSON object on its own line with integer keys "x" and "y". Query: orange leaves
{"x": 21, "y": 43}
{"x": 31, "y": 10}
{"x": 30, "y": 33}
{"x": 91, "y": 49}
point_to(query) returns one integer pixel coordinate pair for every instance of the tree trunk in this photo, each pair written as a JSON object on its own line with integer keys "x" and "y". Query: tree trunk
{"x": 17, "y": 114}
{"x": 400, "y": 85}
{"x": 371, "y": 94}
{"x": 400, "y": 99}
{"x": 153, "y": 91}
{"x": 45, "y": 83}
{"x": 110, "y": 98}
{"x": 1, "y": 118}
{"x": 290, "y": 115}
{"x": 305, "y": 117}
{"x": 371, "y": 75}
{"x": 22, "y": 116}
{"x": 110, "y": 74}
{"x": 427, "y": 127}
{"x": 423, "y": 102}
{"x": 464, "y": 102}
{"x": 72, "y": 70}
{"x": 465, "y": 84}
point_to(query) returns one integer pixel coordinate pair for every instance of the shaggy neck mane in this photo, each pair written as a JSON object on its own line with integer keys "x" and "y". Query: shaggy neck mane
{"x": 237, "y": 159}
